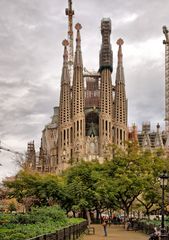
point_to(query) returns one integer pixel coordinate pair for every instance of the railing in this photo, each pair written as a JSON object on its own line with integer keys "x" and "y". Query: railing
{"x": 149, "y": 229}
{"x": 69, "y": 233}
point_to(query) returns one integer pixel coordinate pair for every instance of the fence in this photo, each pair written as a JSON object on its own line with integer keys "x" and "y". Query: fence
{"x": 149, "y": 229}
{"x": 69, "y": 233}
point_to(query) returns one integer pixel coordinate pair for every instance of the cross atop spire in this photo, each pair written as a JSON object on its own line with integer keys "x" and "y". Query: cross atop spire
{"x": 120, "y": 42}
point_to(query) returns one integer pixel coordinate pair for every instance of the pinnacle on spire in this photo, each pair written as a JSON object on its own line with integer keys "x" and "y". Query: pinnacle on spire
{"x": 158, "y": 126}
{"x": 70, "y": 12}
{"x": 65, "y": 73}
{"x": 158, "y": 138}
{"x": 120, "y": 42}
{"x": 120, "y": 71}
{"x": 65, "y": 43}
{"x": 78, "y": 26}
{"x": 78, "y": 55}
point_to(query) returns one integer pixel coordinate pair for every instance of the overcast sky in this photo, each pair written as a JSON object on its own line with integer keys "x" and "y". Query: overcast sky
{"x": 31, "y": 33}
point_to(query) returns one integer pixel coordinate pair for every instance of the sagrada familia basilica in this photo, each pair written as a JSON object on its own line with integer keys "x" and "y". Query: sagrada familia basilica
{"x": 92, "y": 111}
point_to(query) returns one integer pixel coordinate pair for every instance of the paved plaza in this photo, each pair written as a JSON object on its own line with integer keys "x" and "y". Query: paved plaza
{"x": 115, "y": 232}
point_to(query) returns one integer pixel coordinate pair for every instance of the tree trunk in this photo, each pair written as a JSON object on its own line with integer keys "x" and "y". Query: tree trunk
{"x": 74, "y": 214}
{"x": 97, "y": 214}
{"x": 88, "y": 217}
{"x": 147, "y": 213}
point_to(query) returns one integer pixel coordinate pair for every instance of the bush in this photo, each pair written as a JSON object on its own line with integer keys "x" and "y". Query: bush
{"x": 12, "y": 207}
{"x": 38, "y": 222}
{"x": 15, "y": 236}
{"x": 40, "y": 215}
{"x": 54, "y": 213}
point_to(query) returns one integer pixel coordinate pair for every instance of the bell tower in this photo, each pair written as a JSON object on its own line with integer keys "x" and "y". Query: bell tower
{"x": 106, "y": 97}
{"x": 120, "y": 127}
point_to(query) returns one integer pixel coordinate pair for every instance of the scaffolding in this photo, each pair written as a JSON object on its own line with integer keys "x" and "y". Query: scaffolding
{"x": 166, "y": 42}
{"x": 31, "y": 156}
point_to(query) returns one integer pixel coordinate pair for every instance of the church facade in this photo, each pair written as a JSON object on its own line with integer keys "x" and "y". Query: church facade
{"x": 92, "y": 111}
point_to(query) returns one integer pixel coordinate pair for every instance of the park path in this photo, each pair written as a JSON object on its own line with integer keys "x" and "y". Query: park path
{"x": 115, "y": 232}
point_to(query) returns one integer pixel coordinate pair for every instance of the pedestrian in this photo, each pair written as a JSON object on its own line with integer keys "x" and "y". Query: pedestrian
{"x": 105, "y": 227}
{"x": 155, "y": 235}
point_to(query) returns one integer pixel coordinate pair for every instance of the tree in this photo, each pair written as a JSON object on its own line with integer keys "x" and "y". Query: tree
{"x": 80, "y": 186}
{"x": 115, "y": 184}
{"x": 35, "y": 189}
{"x": 132, "y": 170}
{"x": 151, "y": 195}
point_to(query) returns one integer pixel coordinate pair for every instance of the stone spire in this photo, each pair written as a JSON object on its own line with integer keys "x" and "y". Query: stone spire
{"x": 64, "y": 131}
{"x": 41, "y": 158}
{"x": 106, "y": 54}
{"x": 78, "y": 100}
{"x": 120, "y": 71}
{"x": 31, "y": 156}
{"x": 158, "y": 138}
{"x": 120, "y": 100}
{"x": 146, "y": 143}
{"x": 65, "y": 43}
{"x": 120, "y": 42}
{"x": 65, "y": 96}
{"x": 70, "y": 12}
{"x": 106, "y": 96}
{"x": 78, "y": 54}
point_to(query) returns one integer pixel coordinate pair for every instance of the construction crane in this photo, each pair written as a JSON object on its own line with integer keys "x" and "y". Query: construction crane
{"x": 11, "y": 151}
{"x": 20, "y": 157}
{"x": 70, "y": 12}
{"x": 166, "y": 42}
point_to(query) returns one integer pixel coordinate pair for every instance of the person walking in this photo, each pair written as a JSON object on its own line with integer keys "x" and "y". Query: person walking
{"x": 104, "y": 224}
{"x": 155, "y": 235}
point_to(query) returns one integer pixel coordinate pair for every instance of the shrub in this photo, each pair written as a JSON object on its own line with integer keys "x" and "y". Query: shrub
{"x": 16, "y": 236}
{"x": 37, "y": 222}
{"x": 11, "y": 207}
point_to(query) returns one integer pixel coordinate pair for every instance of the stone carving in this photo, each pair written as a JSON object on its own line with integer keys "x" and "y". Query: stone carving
{"x": 92, "y": 145}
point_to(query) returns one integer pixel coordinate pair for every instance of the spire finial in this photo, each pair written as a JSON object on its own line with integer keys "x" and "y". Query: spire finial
{"x": 78, "y": 26}
{"x": 65, "y": 43}
{"x": 120, "y": 42}
{"x": 158, "y": 126}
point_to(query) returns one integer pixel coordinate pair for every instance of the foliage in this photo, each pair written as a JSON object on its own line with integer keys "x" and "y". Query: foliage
{"x": 11, "y": 207}
{"x": 115, "y": 184}
{"x": 33, "y": 189}
{"x": 151, "y": 196}
{"x": 16, "y": 236}
{"x": 37, "y": 222}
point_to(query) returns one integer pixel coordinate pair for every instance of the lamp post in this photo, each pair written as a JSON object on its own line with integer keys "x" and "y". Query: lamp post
{"x": 163, "y": 183}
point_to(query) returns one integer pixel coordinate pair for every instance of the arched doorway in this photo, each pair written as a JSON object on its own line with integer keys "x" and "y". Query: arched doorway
{"x": 92, "y": 124}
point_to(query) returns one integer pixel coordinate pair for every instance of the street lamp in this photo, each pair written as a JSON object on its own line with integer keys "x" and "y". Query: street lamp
{"x": 163, "y": 183}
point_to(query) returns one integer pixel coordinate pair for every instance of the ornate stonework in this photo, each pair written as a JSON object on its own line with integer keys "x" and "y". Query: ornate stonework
{"x": 92, "y": 112}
